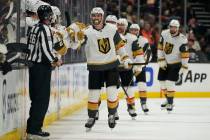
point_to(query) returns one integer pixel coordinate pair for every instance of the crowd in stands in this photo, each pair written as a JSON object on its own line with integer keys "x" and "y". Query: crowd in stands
{"x": 199, "y": 39}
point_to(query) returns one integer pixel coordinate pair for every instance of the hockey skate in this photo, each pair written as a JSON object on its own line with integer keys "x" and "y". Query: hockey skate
{"x": 39, "y": 136}
{"x": 97, "y": 115}
{"x": 169, "y": 108}
{"x": 132, "y": 113}
{"x": 116, "y": 116}
{"x": 111, "y": 121}
{"x": 163, "y": 105}
{"x": 145, "y": 109}
{"x": 89, "y": 124}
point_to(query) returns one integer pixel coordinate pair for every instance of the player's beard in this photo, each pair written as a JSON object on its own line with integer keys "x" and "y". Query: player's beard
{"x": 96, "y": 21}
{"x": 173, "y": 33}
{"x": 121, "y": 30}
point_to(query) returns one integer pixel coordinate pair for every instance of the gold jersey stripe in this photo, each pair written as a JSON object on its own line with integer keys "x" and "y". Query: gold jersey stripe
{"x": 160, "y": 46}
{"x": 185, "y": 55}
{"x": 120, "y": 44}
{"x": 138, "y": 52}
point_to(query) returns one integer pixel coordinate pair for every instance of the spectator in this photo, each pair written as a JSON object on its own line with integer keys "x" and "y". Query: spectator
{"x": 147, "y": 33}
{"x": 195, "y": 44}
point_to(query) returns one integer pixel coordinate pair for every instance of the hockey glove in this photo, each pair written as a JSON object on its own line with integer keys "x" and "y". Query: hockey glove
{"x": 137, "y": 70}
{"x": 127, "y": 62}
{"x": 2, "y": 58}
{"x": 3, "y": 49}
{"x": 6, "y": 67}
{"x": 80, "y": 36}
{"x": 183, "y": 70}
{"x": 162, "y": 64}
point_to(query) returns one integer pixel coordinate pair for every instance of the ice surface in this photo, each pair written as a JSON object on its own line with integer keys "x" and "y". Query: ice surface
{"x": 190, "y": 120}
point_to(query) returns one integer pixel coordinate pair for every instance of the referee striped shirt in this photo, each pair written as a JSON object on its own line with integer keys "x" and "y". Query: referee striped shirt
{"x": 40, "y": 43}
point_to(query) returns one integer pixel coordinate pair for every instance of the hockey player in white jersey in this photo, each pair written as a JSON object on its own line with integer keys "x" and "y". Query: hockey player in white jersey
{"x": 112, "y": 20}
{"x": 141, "y": 77}
{"x": 135, "y": 52}
{"x": 102, "y": 44}
{"x": 60, "y": 35}
{"x": 173, "y": 59}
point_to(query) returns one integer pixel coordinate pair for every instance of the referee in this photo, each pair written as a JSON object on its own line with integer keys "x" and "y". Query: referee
{"x": 40, "y": 43}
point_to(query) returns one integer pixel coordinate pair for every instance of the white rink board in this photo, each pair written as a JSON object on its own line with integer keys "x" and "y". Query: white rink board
{"x": 11, "y": 101}
{"x": 68, "y": 86}
{"x": 196, "y": 80}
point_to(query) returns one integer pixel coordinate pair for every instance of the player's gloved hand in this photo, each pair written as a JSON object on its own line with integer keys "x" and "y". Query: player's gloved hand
{"x": 71, "y": 33}
{"x": 137, "y": 70}
{"x": 162, "y": 64}
{"x": 127, "y": 62}
{"x": 80, "y": 35}
{"x": 183, "y": 69}
{"x": 2, "y": 58}
{"x": 6, "y": 67}
{"x": 3, "y": 49}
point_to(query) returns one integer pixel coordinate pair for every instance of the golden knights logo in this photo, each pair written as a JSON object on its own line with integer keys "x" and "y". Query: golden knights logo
{"x": 168, "y": 48}
{"x": 104, "y": 45}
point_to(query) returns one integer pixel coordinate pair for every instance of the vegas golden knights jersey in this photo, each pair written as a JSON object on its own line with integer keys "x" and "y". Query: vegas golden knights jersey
{"x": 102, "y": 47}
{"x": 173, "y": 49}
{"x": 133, "y": 48}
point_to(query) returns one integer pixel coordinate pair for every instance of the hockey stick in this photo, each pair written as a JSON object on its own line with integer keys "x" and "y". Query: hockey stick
{"x": 148, "y": 53}
{"x": 139, "y": 64}
{"x": 68, "y": 19}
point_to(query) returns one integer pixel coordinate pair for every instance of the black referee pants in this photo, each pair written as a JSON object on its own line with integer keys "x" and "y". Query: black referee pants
{"x": 39, "y": 92}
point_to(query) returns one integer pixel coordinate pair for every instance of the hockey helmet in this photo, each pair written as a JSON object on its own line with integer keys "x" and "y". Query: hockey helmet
{"x": 45, "y": 12}
{"x": 134, "y": 29}
{"x": 174, "y": 27}
{"x": 122, "y": 21}
{"x": 57, "y": 14}
{"x": 97, "y": 10}
{"x": 174, "y": 23}
{"x": 135, "y": 26}
{"x": 94, "y": 12}
{"x": 111, "y": 19}
{"x": 122, "y": 25}
{"x": 56, "y": 10}
{"x": 33, "y": 5}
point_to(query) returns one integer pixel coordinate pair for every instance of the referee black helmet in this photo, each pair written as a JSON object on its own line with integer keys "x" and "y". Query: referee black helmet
{"x": 45, "y": 12}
